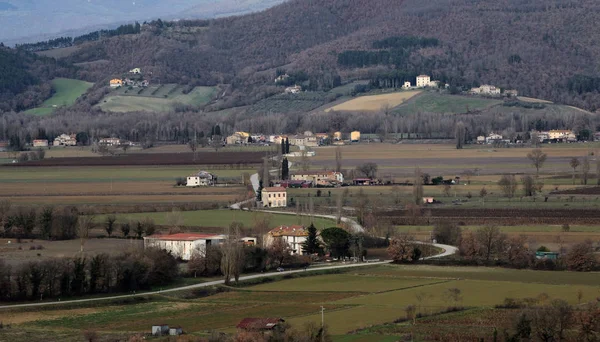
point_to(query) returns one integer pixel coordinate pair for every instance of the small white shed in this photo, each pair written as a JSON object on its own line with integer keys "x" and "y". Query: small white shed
{"x": 175, "y": 331}
{"x": 160, "y": 329}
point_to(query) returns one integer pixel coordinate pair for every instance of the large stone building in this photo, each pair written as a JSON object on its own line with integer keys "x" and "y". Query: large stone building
{"x": 423, "y": 81}
{"x": 293, "y": 235}
{"x": 183, "y": 245}
{"x": 304, "y": 140}
{"x": 274, "y": 197}
{"x": 324, "y": 178}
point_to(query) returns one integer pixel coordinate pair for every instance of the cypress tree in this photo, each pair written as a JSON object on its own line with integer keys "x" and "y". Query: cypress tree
{"x": 285, "y": 171}
{"x": 287, "y": 145}
{"x": 283, "y": 148}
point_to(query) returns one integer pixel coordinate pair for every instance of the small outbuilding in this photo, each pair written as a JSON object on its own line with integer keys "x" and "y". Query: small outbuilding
{"x": 546, "y": 255}
{"x": 259, "y": 324}
{"x": 160, "y": 329}
{"x": 175, "y": 331}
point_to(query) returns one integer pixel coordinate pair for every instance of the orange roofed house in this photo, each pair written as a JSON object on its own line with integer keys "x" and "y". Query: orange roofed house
{"x": 274, "y": 197}
{"x": 294, "y": 236}
{"x": 183, "y": 245}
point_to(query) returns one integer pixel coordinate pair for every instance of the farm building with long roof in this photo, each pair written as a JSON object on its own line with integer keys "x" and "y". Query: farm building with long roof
{"x": 183, "y": 245}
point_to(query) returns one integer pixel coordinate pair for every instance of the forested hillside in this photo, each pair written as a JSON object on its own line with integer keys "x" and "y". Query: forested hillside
{"x": 24, "y": 78}
{"x": 545, "y": 49}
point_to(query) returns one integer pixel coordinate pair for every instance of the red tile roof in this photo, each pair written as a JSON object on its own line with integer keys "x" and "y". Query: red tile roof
{"x": 183, "y": 237}
{"x": 259, "y": 323}
{"x": 274, "y": 189}
{"x": 294, "y": 230}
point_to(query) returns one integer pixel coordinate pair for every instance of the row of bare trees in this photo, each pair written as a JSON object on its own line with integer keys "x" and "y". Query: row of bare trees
{"x": 488, "y": 244}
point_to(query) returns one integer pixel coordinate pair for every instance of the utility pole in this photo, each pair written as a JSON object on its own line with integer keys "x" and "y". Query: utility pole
{"x": 322, "y": 324}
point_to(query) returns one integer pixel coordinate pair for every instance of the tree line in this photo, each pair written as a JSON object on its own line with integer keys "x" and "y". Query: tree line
{"x": 84, "y": 275}
{"x": 487, "y": 245}
{"x": 62, "y": 42}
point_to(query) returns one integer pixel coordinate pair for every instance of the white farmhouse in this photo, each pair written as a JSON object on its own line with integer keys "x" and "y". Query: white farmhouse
{"x": 202, "y": 178}
{"x": 423, "y": 81}
{"x": 183, "y": 245}
{"x": 65, "y": 140}
{"x": 293, "y": 90}
{"x": 274, "y": 197}
{"x": 294, "y": 236}
{"x": 492, "y": 138}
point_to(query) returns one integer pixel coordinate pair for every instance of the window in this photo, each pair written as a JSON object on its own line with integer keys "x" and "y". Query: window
{"x": 269, "y": 195}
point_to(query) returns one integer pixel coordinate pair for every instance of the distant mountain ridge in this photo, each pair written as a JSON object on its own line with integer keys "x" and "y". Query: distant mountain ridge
{"x": 26, "y": 21}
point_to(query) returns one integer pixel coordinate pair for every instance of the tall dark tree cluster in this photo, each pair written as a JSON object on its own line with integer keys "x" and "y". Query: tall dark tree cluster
{"x": 68, "y": 277}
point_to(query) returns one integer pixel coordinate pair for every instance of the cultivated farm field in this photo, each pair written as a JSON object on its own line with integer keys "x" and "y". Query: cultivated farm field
{"x": 364, "y": 302}
{"x": 234, "y": 159}
{"x": 79, "y": 185}
{"x": 430, "y": 102}
{"x": 375, "y": 102}
{"x": 444, "y": 159}
{"x": 155, "y": 98}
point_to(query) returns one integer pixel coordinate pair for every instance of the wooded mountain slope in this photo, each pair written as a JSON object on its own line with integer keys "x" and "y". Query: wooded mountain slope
{"x": 545, "y": 49}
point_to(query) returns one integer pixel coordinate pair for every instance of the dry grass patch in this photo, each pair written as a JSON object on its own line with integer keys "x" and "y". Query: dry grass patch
{"x": 375, "y": 102}
{"x": 531, "y": 99}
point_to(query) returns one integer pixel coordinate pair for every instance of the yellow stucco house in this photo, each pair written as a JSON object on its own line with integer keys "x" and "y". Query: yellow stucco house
{"x": 116, "y": 83}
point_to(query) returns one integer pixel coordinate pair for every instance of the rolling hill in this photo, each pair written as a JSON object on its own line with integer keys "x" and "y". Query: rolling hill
{"x": 534, "y": 46}
{"x": 34, "y": 20}
{"x": 546, "y": 49}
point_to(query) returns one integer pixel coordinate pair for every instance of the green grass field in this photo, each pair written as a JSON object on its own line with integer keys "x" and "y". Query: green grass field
{"x": 124, "y": 100}
{"x": 223, "y": 218}
{"x": 66, "y": 93}
{"x": 365, "y": 300}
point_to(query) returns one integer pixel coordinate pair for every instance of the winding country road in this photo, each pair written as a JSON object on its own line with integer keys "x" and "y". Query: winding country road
{"x": 448, "y": 250}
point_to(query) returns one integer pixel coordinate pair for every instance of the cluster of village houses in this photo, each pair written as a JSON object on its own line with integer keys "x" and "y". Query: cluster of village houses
{"x": 71, "y": 140}
{"x": 130, "y": 82}
{"x": 307, "y": 139}
{"x": 184, "y": 245}
{"x": 552, "y": 136}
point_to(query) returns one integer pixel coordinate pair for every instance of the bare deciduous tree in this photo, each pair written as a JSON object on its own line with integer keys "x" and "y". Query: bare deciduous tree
{"x": 574, "y": 163}
{"x": 459, "y": 135}
{"x": 193, "y": 145}
{"x": 468, "y": 174}
{"x": 490, "y": 239}
{"x": 84, "y": 224}
{"x": 418, "y": 187}
{"x": 529, "y": 186}
{"x": 585, "y": 170}
{"x": 537, "y": 158}
{"x": 233, "y": 253}
{"x": 369, "y": 170}
{"x": 508, "y": 185}
{"x": 338, "y": 159}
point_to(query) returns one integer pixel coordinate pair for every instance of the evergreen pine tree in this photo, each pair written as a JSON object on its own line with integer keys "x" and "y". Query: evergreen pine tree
{"x": 311, "y": 245}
